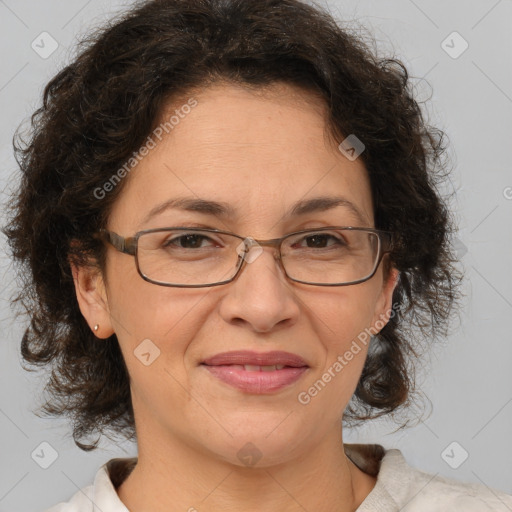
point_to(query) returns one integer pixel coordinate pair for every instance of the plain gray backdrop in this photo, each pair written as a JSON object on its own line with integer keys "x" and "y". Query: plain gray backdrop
{"x": 459, "y": 54}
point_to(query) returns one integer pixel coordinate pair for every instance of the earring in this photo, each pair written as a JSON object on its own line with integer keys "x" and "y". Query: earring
{"x": 96, "y": 327}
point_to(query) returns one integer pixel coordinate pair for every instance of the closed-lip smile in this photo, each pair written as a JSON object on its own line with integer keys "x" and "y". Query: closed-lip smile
{"x": 249, "y": 357}
{"x": 256, "y": 372}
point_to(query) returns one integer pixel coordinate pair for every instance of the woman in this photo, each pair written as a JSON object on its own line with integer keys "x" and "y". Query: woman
{"x": 230, "y": 221}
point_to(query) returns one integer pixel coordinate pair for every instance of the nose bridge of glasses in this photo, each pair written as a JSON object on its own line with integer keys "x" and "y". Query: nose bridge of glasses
{"x": 251, "y": 242}
{"x": 251, "y": 248}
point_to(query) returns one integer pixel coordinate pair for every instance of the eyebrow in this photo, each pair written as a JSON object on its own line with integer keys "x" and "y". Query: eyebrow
{"x": 224, "y": 210}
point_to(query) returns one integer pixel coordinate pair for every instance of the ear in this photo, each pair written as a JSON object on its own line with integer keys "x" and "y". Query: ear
{"x": 92, "y": 298}
{"x": 384, "y": 304}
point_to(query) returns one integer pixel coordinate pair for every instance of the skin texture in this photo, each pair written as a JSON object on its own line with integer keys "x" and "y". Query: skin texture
{"x": 260, "y": 153}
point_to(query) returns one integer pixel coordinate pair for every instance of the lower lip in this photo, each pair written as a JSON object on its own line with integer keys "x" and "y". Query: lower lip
{"x": 257, "y": 382}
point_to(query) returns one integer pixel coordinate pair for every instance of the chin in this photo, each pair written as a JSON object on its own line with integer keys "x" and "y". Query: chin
{"x": 260, "y": 441}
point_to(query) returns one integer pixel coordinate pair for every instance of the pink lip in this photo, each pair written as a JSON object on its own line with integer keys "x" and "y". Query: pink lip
{"x": 256, "y": 358}
{"x": 228, "y": 367}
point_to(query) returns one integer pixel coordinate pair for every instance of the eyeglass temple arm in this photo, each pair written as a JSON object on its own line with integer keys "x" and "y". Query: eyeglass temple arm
{"x": 126, "y": 245}
{"x": 389, "y": 242}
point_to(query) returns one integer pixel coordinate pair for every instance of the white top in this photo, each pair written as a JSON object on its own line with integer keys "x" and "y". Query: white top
{"x": 399, "y": 487}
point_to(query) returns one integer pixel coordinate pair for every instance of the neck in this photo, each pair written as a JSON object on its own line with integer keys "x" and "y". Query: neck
{"x": 178, "y": 477}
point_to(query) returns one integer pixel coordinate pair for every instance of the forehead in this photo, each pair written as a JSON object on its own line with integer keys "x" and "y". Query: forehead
{"x": 258, "y": 150}
{"x": 251, "y": 116}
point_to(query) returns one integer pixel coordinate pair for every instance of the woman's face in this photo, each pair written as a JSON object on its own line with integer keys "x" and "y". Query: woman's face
{"x": 260, "y": 155}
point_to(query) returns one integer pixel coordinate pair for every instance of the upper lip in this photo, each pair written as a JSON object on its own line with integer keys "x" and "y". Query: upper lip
{"x": 244, "y": 357}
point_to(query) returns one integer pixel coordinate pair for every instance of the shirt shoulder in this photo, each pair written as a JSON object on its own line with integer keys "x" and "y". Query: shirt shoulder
{"x": 101, "y": 495}
{"x": 452, "y": 495}
{"x": 81, "y": 501}
{"x": 401, "y": 487}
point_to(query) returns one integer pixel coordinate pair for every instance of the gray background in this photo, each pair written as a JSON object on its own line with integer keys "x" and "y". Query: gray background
{"x": 468, "y": 379}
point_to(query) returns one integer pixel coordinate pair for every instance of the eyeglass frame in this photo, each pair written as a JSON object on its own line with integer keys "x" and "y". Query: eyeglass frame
{"x": 129, "y": 245}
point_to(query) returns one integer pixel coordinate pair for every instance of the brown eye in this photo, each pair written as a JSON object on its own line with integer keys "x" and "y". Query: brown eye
{"x": 320, "y": 241}
{"x": 188, "y": 241}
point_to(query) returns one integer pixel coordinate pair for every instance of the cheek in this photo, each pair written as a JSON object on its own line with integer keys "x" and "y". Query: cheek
{"x": 343, "y": 316}
{"x": 343, "y": 324}
{"x": 140, "y": 309}
{"x": 158, "y": 320}
{"x": 155, "y": 329}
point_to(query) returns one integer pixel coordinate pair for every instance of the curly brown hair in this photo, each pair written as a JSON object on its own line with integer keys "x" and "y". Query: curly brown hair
{"x": 100, "y": 108}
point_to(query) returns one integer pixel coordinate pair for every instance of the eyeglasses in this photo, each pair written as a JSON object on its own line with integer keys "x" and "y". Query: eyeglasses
{"x": 192, "y": 258}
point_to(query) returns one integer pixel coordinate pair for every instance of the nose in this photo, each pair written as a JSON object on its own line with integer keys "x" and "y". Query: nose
{"x": 261, "y": 297}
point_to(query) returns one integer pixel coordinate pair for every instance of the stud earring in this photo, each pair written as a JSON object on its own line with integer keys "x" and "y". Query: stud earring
{"x": 96, "y": 327}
